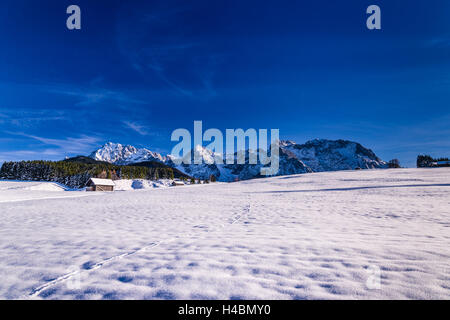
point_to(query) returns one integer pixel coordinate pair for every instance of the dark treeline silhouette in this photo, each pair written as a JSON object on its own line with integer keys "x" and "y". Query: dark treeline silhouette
{"x": 425, "y": 161}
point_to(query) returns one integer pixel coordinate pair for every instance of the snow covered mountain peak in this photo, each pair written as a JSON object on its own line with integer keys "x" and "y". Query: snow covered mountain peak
{"x": 331, "y": 155}
{"x": 209, "y": 156}
{"x": 286, "y": 143}
{"x": 117, "y": 153}
{"x": 112, "y": 152}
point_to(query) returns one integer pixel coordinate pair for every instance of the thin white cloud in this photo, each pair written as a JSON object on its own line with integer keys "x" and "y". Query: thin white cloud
{"x": 25, "y": 118}
{"x": 136, "y": 127}
{"x": 86, "y": 95}
{"x": 71, "y": 145}
{"x": 93, "y": 96}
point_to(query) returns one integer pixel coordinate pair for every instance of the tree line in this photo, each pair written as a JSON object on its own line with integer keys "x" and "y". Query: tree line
{"x": 75, "y": 174}
{"x": 424, "y": 161}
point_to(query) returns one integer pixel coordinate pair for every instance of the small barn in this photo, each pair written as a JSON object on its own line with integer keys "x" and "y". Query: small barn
{"x": 177, "y": 183}
{"x": 95, "y": 184}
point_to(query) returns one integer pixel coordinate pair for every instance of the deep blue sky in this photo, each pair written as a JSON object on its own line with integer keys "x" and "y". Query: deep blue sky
{"x": 140, "y": 69}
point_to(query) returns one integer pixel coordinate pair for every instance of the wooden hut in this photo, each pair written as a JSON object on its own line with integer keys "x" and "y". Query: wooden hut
{"x": 95, "y": 184}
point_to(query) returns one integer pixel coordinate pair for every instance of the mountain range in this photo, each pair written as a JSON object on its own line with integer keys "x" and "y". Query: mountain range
{"x": 313, "y": 156}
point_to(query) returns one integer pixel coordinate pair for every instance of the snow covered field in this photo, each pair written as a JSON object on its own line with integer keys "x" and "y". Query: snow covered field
{"x": 311, "y": 236}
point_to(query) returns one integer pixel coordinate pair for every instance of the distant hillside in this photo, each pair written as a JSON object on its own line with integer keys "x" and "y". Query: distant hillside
{"x": 155, "y": 164}
{"x": 84, "y": 159}
{"x": 148, "y": 164}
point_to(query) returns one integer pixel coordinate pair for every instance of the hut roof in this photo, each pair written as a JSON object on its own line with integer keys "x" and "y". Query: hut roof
{"x": 102, "y": 182}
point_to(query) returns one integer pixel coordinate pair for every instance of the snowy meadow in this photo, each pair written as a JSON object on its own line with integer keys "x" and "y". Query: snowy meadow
{"x": 367, "y": 234}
